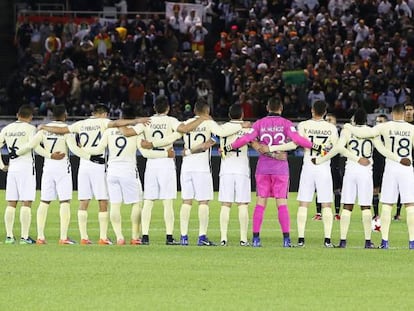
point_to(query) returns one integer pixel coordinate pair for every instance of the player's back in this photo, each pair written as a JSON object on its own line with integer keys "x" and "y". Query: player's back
{"x": 122, "y": 151}
{"x": 55, "y": 143}
{"x": 319, "y": 132}
{"x": 398, "y": 137}
{"x": 359, "y": 147}
{"x": 16, "y": 135}
{"x": 272, "y": 130}
{"x": 236, "y": 161}
{"x": 161, "y": 126}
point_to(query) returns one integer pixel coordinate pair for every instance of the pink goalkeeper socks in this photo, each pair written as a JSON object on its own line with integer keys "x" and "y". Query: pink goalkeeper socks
{"x": 258, "y": 218}
{"x": 284, "y": 218}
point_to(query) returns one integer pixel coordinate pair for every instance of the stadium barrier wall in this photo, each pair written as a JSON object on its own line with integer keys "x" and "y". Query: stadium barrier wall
{"x": 295, "y": 164}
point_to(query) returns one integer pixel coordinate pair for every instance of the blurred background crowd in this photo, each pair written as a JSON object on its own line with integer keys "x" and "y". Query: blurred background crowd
{"x": 350, "y": 53}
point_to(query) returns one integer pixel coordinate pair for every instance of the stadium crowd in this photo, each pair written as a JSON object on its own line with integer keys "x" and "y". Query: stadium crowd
{"x": 350, "y": 54}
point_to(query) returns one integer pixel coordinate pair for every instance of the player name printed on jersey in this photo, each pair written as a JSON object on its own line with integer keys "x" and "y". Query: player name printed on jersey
{"x": 318, "y": 132}
{"x": 15, "y": 134}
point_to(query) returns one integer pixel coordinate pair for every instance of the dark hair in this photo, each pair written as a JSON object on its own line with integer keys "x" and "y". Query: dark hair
{"x": 25, "y": 111}
{"x": 398, "y": 108}
{"x": 161, "y": 104}
{"x": 235, "y": 112}
{"x": 100, "y": 108}
{"x": 201, "y": 105}
{"x": 319, "y": 107}
{"x": 274, "y": 103}
{"x": 128, "y": 112}
{"x": 59, "y": 111}
{"x": 360, "y": 116}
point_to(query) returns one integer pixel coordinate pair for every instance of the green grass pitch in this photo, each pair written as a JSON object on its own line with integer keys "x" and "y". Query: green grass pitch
{"x": 160, "y": 277}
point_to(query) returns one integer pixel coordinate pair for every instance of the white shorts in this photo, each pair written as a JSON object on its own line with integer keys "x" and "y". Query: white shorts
{"x": 196, "y": 185}
{"x": 92, "y": 182}
{"x": 234, "y": 188}
{"x": 56, "y": 184}
{"x": 315, "y": 178}
{"x": 160, "y": 183}
{"x": 357, "y": 182}
{"x": 397, "y": 179}
{"x": 125, "y": 187}
{"x": 21, "y": 185}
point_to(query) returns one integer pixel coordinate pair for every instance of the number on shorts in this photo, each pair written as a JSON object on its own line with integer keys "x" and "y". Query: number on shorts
{"x": 120, "y": 142}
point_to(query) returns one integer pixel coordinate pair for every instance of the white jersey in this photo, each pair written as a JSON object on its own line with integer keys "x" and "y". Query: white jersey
{"x": 237, "y": 161}
{"x": 319, "y": 132}
{"x": 161, "y": 126}
{"x": 200, "y": 162}
{"x": 90, "y": 133}
{"x": 17, "y": 135}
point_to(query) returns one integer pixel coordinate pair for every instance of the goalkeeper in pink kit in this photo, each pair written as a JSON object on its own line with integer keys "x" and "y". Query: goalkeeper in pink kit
{"x": 272, "y": 175}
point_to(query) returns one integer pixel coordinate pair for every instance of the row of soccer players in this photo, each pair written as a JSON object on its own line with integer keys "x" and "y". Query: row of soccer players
{"x": 272, "y": 175}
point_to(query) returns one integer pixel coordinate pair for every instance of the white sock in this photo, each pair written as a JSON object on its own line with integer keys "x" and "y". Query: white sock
{"x": 25, "y": 220}
{"x": 327, "y": 219}
{"x": 385, "y": 221}
{"x": 136, "y": 220}
{"x": 301, "y": 220}
{"x": 9, "y": 216}
{"x": 224, "y": 221}
{"x": 366, "y": 223}
{"x": 146, "y": 216}
{"x": 83, "y": 223}
{"x": 41, "y": 220}
{"x": 184, "y": 218}
{"x": 116, "y": 220}
{"x": 344, "y": 223}
{"x": 203, "y": 214}
{"x": 64, "y": 220}
{"x": 410, "y": 221}
{"x": 168, "y": 216}
{"x": 103, "y": 219}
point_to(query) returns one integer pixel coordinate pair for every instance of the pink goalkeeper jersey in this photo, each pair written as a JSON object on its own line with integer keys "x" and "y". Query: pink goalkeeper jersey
{"x": 272, "y": 130}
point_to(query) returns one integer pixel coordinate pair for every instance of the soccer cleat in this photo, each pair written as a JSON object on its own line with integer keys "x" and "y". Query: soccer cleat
{"x": 337, "y": 217}
{"x": 40, "y": 241}
{"x": 29, "y": 240}
{"x": 120, "y": 242}
{"x": 172, "y": 242}
{"x": 397, "y": 218}
{"x": 145, "y": 240}
{"x": 223, "y": 243}
{"x": 67, "y": 241}
{"x": 286, "y": 243}
{"x": 411, "y": 245}
{"x": 243, "y": 243}
{"x": 105, "y": 242}
{"x": 184, "y": 240}
{"x": 317, "y": 217}
{"x": 204, "y": 241}
{"x": 85, "y": 242}
{"x": 328, "y": 245}
{"x": 369, "y": 245}
{"x": 342, "y": 244}
{"x": 135, "y": 242}
{"x": 384, "y": 244}
{"x": 256, "y": 242}
{"x": 10, "y": 240}
{"x": 301, "y": 244}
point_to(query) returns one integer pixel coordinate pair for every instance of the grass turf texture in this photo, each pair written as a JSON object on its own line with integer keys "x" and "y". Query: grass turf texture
{"x": 160, "y": 277}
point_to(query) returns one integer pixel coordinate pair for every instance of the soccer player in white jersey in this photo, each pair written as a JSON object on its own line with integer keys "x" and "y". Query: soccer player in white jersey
{"x": 398, "y": 175}
{"x": 196, "y": 179}
{"x": 160, "y": 178}
{"x": 21, "y": 178}
{"x": 357, "y": 181}
{"x": 313, "y": 177}
{"x": 57, "y": 175}
{"x": 123, "y": 180}
{"x": 234, "y": 184}
{"x": 92, "y": 173}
